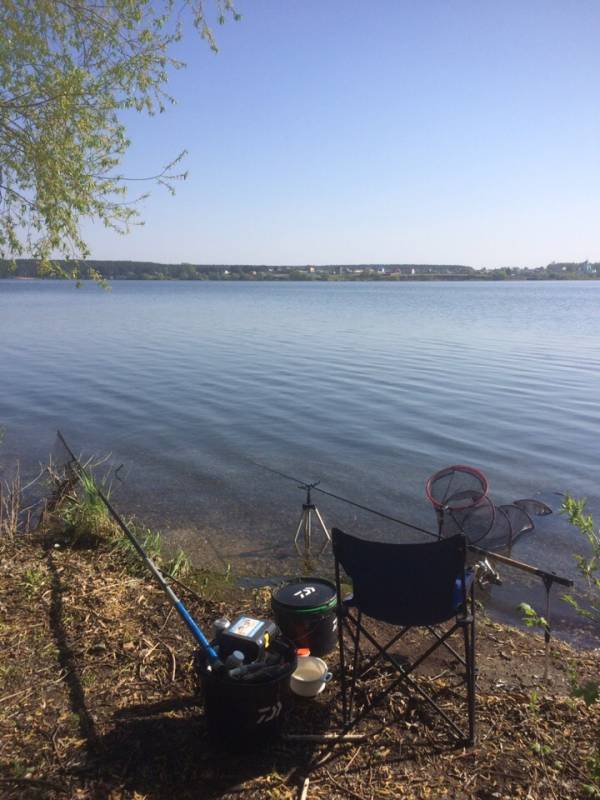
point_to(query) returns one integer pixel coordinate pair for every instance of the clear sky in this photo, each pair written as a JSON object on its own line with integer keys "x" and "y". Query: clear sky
{"x": 429, "y": 131}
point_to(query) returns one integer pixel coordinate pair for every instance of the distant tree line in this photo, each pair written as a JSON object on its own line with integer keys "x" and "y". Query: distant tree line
{"x": 147, "y": 270}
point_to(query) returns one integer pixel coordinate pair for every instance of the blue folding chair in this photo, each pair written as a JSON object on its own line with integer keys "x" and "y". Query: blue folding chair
{"x": 410, "y": 586}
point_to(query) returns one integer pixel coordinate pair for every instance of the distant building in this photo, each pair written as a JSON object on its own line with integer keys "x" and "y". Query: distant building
{"x": 430, "y": 269}
{"x": 578, "y": 268}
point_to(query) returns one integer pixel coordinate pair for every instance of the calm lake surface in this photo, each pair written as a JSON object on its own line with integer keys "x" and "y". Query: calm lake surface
{"x": 367, "y": 387}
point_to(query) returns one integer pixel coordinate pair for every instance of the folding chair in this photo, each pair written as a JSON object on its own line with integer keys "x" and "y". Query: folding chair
{"x": 410, "y": 586}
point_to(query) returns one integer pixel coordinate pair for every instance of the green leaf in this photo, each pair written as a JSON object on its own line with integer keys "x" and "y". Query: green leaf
{"x": 66, "y": 71}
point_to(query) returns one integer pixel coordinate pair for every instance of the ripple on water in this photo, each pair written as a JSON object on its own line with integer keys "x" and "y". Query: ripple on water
{"x": 369, "y": 387}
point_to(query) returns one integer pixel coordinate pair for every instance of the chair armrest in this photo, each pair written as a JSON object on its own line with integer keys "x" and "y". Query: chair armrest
{"x": 457, "y": 597}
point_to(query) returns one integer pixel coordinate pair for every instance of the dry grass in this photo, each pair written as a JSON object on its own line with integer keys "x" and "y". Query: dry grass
{"x": 10, "y": 507}
{"x": 98, "y": 699}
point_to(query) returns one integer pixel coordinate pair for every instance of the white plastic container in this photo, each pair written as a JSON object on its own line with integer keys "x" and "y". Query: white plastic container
{"x": 310, "y": 677}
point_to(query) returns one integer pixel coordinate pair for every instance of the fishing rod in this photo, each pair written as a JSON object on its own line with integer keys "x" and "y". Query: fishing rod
{"x": 211, "y": 653}
{"x": 547, "y": 577}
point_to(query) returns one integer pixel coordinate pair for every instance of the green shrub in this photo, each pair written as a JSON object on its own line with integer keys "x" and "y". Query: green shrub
{"x": 85, "y": 513}
{"x": 589, "y": 568}
{"x": 588, "y": 565}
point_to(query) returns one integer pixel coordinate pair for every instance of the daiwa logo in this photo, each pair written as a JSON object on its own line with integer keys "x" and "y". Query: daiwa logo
{"x": 334, "y": 624}
{"x": 269, "y": 713}
{"x": 305, "y": 592}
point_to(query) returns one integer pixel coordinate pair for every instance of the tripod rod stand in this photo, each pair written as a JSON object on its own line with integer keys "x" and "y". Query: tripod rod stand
{"x": 304, "y": 531}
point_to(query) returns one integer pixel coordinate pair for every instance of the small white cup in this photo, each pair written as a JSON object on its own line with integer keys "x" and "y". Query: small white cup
{"x": 310, "y": 676}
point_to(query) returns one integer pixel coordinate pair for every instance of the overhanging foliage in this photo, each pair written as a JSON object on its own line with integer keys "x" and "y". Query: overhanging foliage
{"x": 68, "y": 69}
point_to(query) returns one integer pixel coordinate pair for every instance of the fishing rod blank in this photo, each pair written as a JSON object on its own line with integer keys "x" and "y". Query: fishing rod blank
{"x": 211, "y": 653}
{"x": 509, "y": 562}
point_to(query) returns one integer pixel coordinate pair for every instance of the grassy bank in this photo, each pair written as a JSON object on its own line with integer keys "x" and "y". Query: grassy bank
{"x": 98, "y": 695}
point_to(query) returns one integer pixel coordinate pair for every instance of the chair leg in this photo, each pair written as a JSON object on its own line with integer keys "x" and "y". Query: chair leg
{"x": 405, "y": 677}
{"x": 343, "y": 678}
{"x": 472, "y": 724}
{"x": 355, "y": 659}
{"x": 469, "y": 634}
{"x": 435, "y": 632}
{"x": 340, "y": 626}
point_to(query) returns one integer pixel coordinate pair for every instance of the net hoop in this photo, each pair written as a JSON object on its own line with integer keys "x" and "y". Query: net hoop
{"x": 476, "y": 473}
{"x": 477, "y": 521}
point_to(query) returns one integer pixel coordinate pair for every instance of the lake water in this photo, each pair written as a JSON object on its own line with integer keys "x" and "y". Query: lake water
{"x": 367, "y": 387}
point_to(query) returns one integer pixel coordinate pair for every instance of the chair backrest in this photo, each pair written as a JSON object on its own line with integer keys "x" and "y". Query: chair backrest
{"x": 404, "y": 584}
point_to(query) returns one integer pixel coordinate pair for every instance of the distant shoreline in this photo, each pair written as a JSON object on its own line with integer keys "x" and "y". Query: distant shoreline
{"x": 349, "y": 279}
{"x": 152, "y": 271}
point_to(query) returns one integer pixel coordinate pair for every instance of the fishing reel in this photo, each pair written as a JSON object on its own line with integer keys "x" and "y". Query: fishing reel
{"x": 486, "y": 574}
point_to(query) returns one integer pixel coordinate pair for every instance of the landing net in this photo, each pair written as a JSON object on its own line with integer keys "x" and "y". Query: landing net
{"x": 459, "y": 495}
{"x": 456, "y": 488}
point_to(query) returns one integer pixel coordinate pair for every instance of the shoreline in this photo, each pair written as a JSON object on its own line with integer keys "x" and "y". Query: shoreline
{"x": 214, "y": 548}
{"x": 87, "y": 638}
{"x": 318, "y": 279}
{"x": 101, "y": 271}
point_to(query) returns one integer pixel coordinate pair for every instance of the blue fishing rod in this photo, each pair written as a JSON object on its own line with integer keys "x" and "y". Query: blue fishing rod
{"x": 211, "y": 654}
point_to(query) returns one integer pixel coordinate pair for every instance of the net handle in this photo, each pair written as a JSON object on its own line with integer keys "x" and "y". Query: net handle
{"x": 456, "y": 468}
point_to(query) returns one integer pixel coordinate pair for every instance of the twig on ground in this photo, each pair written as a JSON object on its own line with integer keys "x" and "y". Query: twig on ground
{"x": 343, "y": 788}
{"x": 167, "y": 618}
{"x": 173, "y": 661}
{"x": 325, "y": 738}
{"x": 35, "y": 782}
{"x": 304, "y": 789}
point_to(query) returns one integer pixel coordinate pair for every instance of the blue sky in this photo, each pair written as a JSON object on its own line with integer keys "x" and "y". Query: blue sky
{"x": 347, "y": 132}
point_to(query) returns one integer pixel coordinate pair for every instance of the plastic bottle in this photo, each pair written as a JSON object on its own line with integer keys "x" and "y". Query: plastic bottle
{"x": 219, "y": 625}
{"x": 234, "y": 660}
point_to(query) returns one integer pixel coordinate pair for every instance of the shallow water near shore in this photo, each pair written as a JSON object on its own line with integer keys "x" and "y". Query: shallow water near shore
{"x": 367, "y": 387}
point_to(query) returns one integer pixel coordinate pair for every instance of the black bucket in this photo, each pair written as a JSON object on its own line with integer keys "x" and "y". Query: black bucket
{"x": 305, "y": 610}
{"x": 243, "y": 714}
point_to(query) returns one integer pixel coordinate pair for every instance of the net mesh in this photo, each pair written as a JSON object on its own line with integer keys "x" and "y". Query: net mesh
{"x": 475, "y": 523}
{"x": 535, "y": 507}
{"x": 500, "y": 535}
{"x": 456, "y": 488}
{"x": 520, "y": 521}
{"x": 459, "y": 495}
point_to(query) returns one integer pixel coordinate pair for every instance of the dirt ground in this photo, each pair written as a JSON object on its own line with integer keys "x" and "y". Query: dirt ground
{"x": 98, "y": 699}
